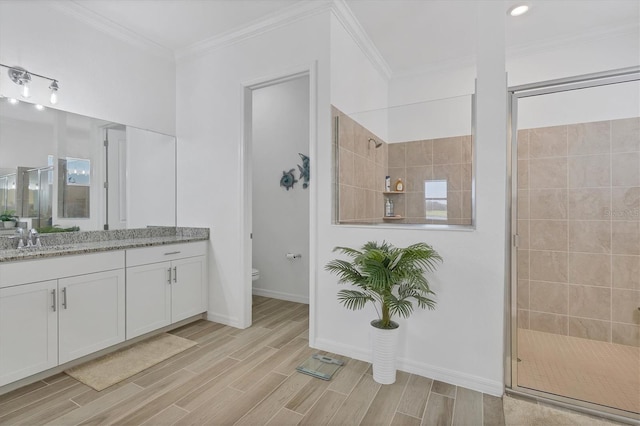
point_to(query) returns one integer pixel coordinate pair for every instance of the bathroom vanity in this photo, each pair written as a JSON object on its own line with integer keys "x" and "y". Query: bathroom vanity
{"x": 87, "y": 293}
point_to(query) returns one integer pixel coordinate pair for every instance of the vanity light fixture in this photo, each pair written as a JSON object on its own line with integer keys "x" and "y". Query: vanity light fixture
{"x": 54, "y": 92}
{"x": 518, "y": 9}
{"x": 22, "y": 77}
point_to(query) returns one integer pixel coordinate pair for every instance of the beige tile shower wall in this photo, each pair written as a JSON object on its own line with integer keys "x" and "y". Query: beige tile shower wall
{"x": 362, "y": 169}
{"x": 435, "y": 159}
{"x": 579, "y": 227}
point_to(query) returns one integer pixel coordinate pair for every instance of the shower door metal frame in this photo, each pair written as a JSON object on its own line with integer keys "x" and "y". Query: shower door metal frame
{"x": 511, "y": 348}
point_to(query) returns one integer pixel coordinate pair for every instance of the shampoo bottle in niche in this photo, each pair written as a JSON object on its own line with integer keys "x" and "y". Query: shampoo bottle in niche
{"x": 387, "y": 183}
{"x": 399, "y": 186}
{"x": 388, "y": 208}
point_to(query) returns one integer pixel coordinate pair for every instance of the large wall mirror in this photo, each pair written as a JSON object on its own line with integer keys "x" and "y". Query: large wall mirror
{"x": 405, "y": 165}
{"x": 59, "y": 169}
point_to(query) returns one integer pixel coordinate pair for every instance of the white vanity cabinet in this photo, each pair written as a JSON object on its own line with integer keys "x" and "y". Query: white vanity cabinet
{"x": 28, "y": 330}
{"x": 91, "y": 313}
{"x": 165, "y": 284}
{"x": 58, "y": 309}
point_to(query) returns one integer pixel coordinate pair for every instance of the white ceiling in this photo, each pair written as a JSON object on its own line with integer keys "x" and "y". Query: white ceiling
{"x": 409, "y": 34}
{"x": 176, "y": 24}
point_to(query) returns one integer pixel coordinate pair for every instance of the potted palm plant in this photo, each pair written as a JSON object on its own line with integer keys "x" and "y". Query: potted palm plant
{"x": 391, "y": 278}
{"x": 8, "y": 219}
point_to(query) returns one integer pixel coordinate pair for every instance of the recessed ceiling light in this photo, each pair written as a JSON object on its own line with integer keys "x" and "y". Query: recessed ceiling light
{"x": 13, "y": 101}
{"x": 517, "y": 10}
{"x": 39, "y": 107}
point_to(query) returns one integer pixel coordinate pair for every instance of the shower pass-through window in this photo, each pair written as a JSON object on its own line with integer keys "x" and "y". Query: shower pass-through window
{"x": 576, "y": 283}
{"x": 428, "y": 146}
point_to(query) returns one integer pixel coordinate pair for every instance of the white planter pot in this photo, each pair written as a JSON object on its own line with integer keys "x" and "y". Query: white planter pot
{"x": 384, "y": 342}
{"x": 8, "y": 224}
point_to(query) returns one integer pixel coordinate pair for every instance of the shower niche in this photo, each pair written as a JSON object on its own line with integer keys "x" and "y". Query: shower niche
{"x": 426, "y": 146}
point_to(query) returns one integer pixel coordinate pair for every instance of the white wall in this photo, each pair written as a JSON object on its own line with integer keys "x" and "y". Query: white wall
{"x": 556, "y": 61}
{"x": 210, "y": 126}
{"x": 280, "y": 217}
{"x": 456, "y": 339}
{"x": 150, "y": 179}
{"x": 99, "y": 75}
{"x": 440, "y": 118}
{"x": 356, "y": 86}
{"x": 461, "y": 341}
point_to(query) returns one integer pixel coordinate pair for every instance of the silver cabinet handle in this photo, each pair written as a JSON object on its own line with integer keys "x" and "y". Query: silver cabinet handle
{"x": 172, "y": 252}
{"x": 169, "y": 271}
{"x": 64, "y": 297}
{"x": 175, "y": 274}
{"x": 53, "y": 295}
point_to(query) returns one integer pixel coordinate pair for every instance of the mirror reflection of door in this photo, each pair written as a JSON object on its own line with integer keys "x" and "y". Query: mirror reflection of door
{"x": 115, "y": 178}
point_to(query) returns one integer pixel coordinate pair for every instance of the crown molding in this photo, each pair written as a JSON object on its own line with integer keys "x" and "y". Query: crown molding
{"x": 280, "y": 18}
{"x": 466, "y": 61}
{"x": 296, "y": 12}
{"x": 75, "y": 9}
{"x": 532, "y": 48}
{"x": 351, "y": 24}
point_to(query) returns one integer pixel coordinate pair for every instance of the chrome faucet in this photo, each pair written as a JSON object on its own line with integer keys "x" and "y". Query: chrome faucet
{"x": 20, "y": 237}
{"x": 33, "y": 239}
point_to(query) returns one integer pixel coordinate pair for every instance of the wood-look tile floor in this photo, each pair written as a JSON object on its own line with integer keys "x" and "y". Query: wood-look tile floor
{"x": 248, "y": 377}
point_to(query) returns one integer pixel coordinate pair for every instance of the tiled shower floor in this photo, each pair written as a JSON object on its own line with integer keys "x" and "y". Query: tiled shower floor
{"x": 599, "y": 372}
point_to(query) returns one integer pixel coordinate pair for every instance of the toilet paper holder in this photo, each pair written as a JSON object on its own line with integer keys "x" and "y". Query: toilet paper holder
{"x": 292, "y": 256}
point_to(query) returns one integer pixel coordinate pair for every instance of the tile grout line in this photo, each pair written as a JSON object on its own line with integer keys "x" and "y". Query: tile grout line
{"x": 453, "y": 408}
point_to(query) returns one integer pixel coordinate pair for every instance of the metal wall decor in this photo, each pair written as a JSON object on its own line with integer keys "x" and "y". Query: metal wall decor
{"x": 304, "y": 170}
{"x": 288, "y": 180}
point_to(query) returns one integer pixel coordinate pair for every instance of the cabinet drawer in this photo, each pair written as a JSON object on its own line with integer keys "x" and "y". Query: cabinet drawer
{"x": 146, "y": 255}
{"x": 29, "y": 271}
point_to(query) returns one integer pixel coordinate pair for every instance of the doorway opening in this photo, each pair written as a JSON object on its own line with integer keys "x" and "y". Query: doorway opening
{"x": 279, "y": 192}
{"x": 575, "y": 305}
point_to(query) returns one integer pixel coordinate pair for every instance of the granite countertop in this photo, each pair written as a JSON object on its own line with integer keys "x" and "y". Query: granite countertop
{"x": 98, "y": 241}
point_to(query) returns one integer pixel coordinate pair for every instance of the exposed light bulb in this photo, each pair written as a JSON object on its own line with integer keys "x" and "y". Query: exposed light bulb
{"x": 13, "y": 101}
{"x": 54, "y": 92}
{"x": 26, "y": 93}
{"x": 518, "y": 10}
{"x": 39, "y": 107}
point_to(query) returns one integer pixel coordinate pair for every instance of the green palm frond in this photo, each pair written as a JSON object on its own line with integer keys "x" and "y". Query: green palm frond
{"x": 353, "y": 299}
{"x": 400, "y": 307}
{"x": 348, "y": 251}
{"x": 379, "y": 270}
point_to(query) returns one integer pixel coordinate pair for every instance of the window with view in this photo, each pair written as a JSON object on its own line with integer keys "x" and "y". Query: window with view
{"x": 435, "y": 195}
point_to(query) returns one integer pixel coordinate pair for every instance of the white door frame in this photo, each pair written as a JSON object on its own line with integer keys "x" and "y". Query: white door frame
{"x": 246, "y": 184}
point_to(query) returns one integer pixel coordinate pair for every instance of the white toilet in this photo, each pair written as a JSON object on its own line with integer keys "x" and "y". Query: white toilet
{"x": 255, "y": 274}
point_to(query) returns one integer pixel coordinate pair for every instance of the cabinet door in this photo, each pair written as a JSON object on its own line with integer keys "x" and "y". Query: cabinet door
{"x": 91, "y": 313}
{"x": 148, "y": 298}
{"x": 28, "y": 330}
{"x": 188, "y": 291}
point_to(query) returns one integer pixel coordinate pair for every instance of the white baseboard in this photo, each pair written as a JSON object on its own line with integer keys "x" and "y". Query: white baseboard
{"x": 362, "y": 354}
{"x": 279, "y": 295}
{"x": 453, "y": 377}
{"x": 224, "y": 319}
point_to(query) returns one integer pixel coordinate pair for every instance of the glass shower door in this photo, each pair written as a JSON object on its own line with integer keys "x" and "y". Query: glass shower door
{"x": 578, "y": 254}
